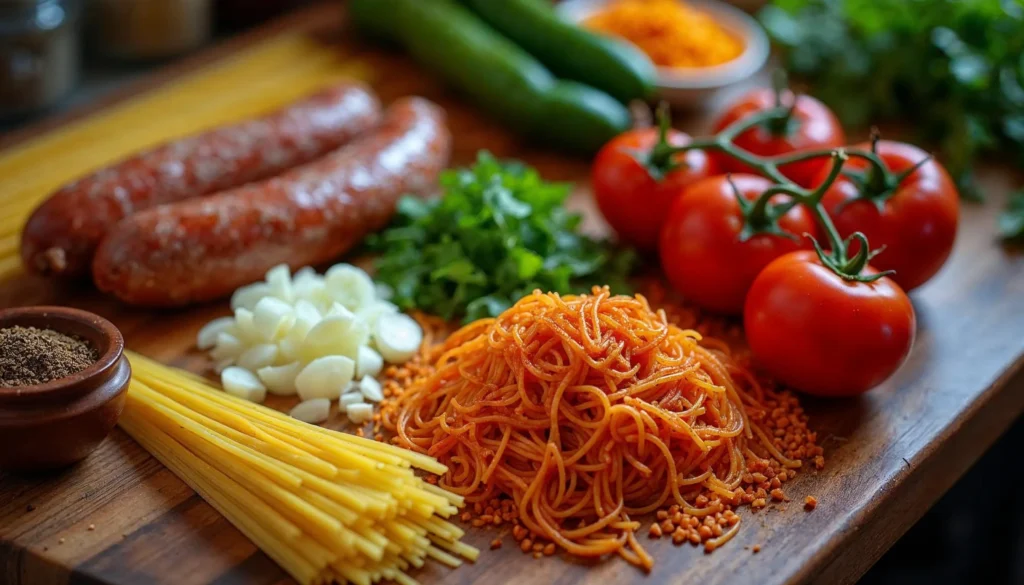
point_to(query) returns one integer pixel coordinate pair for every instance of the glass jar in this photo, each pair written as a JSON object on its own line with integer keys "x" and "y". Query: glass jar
{"x": 142, "y": 30}
{"x": 39, "y": 54}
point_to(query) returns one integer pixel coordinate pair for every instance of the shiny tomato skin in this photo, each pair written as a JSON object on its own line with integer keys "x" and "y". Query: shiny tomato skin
{"x": 815, "y": 127}
{"x": 701, "y": 252}
{"x": 818, "y": 333}
{"x": 917, "y": 224}
{"x": 633, "y": 202}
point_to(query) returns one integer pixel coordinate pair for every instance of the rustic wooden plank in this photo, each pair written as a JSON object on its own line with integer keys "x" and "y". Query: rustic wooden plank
{"x": 890, "y": 454}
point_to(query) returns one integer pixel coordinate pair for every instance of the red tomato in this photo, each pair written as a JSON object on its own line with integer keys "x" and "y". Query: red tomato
{"x": 812, "y": 126}
{"x": 824, "y": 335}
{"x": 701, "y": 251}
{"x": 918, "y": 219}
{"x": 633, "y": 201}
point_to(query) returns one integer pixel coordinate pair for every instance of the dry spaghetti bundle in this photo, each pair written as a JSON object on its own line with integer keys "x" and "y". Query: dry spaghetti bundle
{"x": 327, "y": 506}
{"x": 589, "y": 411}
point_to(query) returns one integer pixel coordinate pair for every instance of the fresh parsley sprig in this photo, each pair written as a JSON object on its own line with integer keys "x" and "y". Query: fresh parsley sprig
{"x": 951, "y": 70}
{"x": 498, "y": 232}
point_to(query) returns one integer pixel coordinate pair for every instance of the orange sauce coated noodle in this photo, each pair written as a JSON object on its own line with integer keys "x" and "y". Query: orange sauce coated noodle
{"x": 588, "y": 411}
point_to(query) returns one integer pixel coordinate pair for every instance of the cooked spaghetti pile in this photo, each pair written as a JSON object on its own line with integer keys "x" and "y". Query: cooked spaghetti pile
{"x": 589, "y": 411}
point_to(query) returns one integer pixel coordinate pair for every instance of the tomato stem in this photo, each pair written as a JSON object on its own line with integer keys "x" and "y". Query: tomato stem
{"x": 903, "y": 176}
{"x": 659, "y": 161}
{"x": 785, "y": 124}
{"x": 875, "y": 138}
{"x": 838, "y": 259}
{"x": 812, "y": 201}
{"x": 780, "y": 83}
{"x": 761, "y": 216}
{"x": 852, "y": 268}
{"x": 839, "y": 157}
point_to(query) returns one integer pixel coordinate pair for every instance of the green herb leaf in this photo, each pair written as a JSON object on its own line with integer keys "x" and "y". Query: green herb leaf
{"x": 1011, "y": 221}
{"x": 499, "y": 232}
{"x": 952, "y": 70}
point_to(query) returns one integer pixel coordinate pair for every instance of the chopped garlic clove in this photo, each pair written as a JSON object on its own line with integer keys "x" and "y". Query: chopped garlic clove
{"x": 350, "y": 286}
{"x": 359, "y": 413}
{"x": 325, "y": 377}
{"x": 311, "y": 289}
{"x": 358, "y": 336}
{"x": 349, "y": 398}
{"x": 258, "y": 356}
{"x": 304, "y": 274}
{"x": 227, "y": 347}
{"x": 306, "y": 309}
{"x": 243, "y": 384}
{"x": 320, "y": 331}
{"x": 337, "y": 334}
{"x": 370, "y": 388}
{"x": 368, "y": 362}
{"x": 289, "y": 350}
{"x": 280, "y": 380}
{"x": 272, "y": 317}
{"x": 397, "y": 337}
{"x": 245, "y": 328}
{"x": 207, "y": 336}
{"x": 302, "y": 326}
{"x": 279, "y": 282}
{"x": 247, "y": 296}
{"x": 339, "y": 310}
{"x": 372, "y": 312}
{"x": 312, "y": 411}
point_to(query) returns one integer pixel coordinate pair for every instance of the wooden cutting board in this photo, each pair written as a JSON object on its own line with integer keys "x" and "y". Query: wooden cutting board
{"x": 120, "y": 518}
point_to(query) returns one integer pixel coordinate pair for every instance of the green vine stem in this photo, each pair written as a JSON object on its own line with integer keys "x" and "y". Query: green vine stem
{"x": 783, "y": 125}
{"x": 877, "y": 186}
{"x": 762, "y": 214}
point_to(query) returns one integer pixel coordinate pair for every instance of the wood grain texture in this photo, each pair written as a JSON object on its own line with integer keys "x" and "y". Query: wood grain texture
{"x": 120, "y": 518}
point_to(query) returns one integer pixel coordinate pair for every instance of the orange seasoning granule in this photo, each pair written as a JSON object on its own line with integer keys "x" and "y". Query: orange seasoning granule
{"x": 672, "y": 33}
{"x": 535, "y": 374}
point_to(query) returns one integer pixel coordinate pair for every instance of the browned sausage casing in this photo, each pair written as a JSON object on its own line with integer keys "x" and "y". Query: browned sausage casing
{"x": 203, "y": 249}
{"x": 62, "y": 234}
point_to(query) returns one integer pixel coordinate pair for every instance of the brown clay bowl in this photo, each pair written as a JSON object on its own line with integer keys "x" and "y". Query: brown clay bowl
{"x": 52, "y": 425}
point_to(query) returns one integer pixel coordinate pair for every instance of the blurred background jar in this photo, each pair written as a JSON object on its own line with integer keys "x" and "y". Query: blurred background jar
{"x": 146, "y": 30}
{"x": 39, "y": 54}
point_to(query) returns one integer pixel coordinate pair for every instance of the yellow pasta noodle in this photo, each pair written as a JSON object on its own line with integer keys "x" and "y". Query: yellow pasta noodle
{"x": 326, "y": 506}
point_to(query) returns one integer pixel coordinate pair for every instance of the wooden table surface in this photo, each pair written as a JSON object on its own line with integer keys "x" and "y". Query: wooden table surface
{"x": 121, "y": 518}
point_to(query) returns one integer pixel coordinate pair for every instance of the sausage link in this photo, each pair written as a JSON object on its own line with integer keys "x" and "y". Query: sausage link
{"x": 203, "y": 249}
{"x": 61, "y": 236}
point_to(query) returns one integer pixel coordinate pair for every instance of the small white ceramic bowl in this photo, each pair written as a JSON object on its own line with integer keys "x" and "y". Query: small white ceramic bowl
{"x": 693, "y": 87}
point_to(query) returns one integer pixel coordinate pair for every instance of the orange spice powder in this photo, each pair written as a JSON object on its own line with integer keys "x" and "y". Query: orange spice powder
{"x": 672, "y": 33}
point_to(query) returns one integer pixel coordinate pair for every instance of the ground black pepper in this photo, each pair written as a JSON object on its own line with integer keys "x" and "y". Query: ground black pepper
{"x": 31, "y": 356}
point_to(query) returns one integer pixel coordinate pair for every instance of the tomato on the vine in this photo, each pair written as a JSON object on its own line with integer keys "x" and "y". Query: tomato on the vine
{"x": 822, "y": 334}
{"x": 633, "y": 199}
{"x": 702, "y": 251}
{"x": 810, "y": 126}
{"x": 915, "y": 217}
